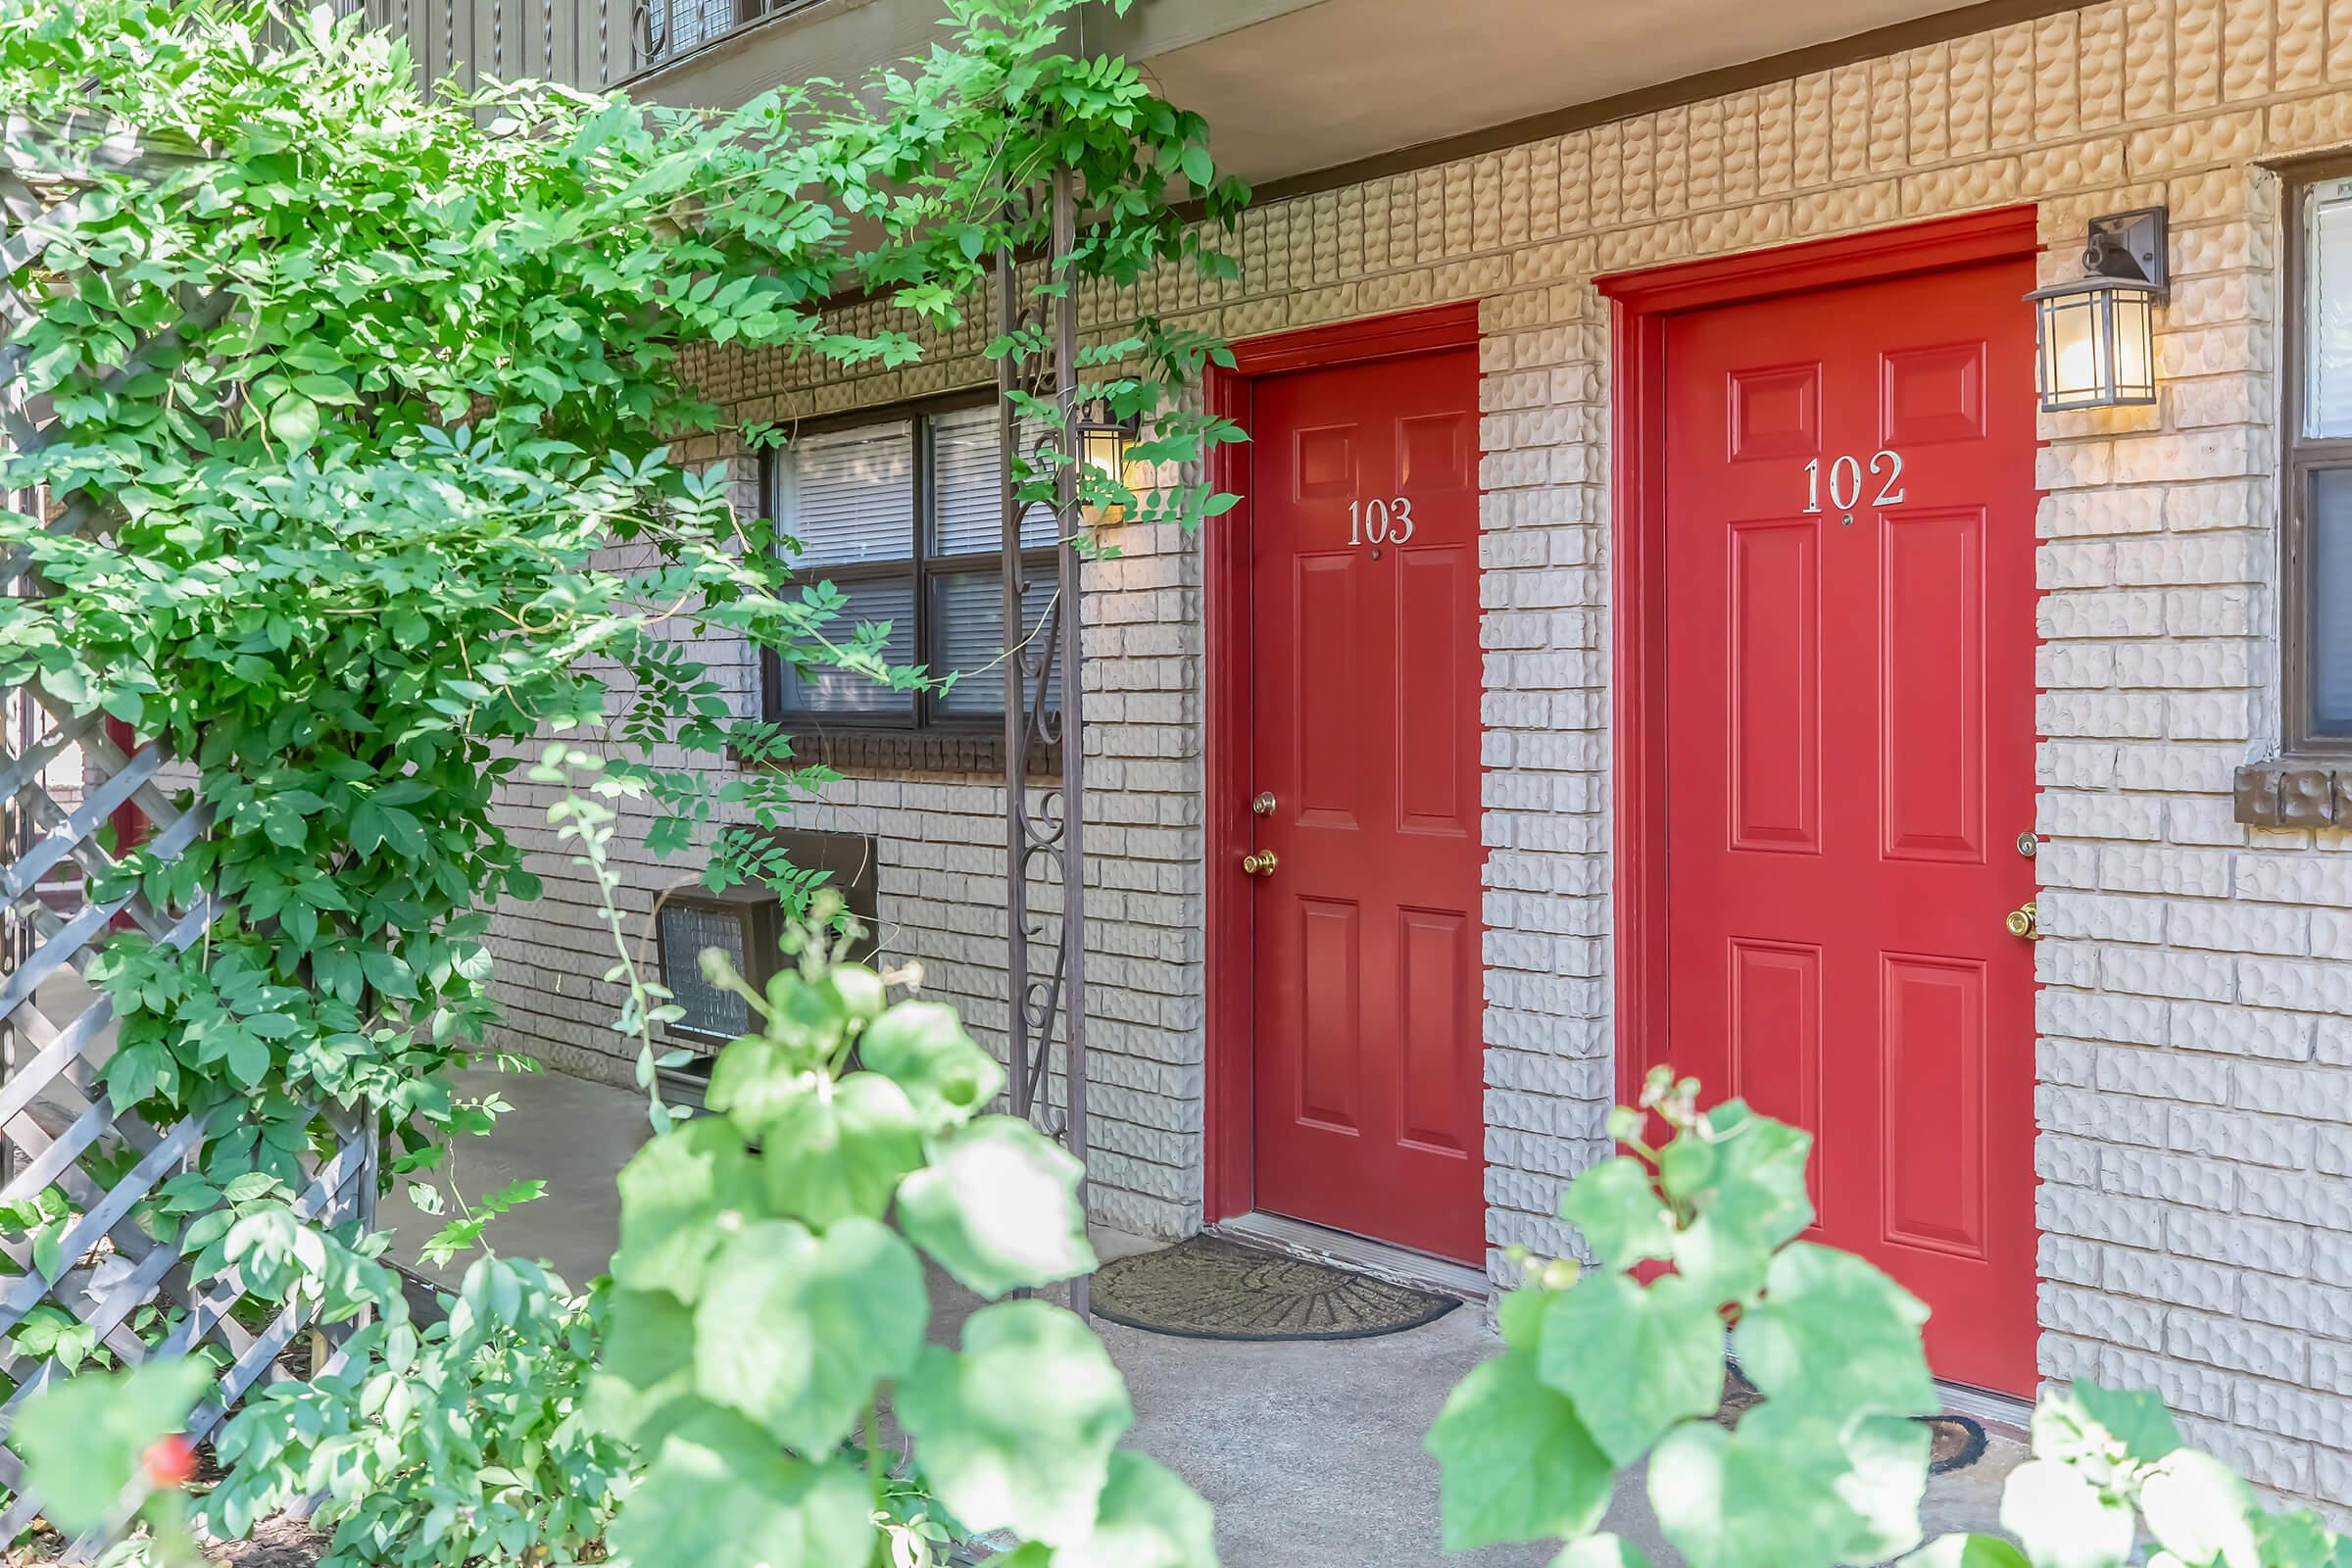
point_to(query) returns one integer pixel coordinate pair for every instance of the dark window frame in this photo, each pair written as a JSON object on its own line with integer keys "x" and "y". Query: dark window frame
{"x": 2301, "y": 459}
{"x": 923, "y": 716}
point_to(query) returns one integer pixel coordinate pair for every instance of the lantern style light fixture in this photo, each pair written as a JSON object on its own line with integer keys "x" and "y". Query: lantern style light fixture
{"x": 1103, "y": 441}
{"x": 2095, "y": 337}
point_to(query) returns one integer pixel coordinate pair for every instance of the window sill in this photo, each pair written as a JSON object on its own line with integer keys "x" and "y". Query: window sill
{"x": 2295, "y": 791}
{"x": 930, "y": 751}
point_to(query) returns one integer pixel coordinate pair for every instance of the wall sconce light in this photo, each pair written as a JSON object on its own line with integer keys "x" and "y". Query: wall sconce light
{"x": 1104, "y": 443}
{"x": 2095, "y": 337}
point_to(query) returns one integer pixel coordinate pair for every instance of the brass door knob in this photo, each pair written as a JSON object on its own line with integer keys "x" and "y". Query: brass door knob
{"x": 2022, "y": 922}
{"x": 1261, "y": 863}
{"x": 1263, "y": 804}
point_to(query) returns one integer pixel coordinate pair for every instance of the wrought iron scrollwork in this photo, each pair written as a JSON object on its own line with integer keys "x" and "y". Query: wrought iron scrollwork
{"x": 1044, "y": 836}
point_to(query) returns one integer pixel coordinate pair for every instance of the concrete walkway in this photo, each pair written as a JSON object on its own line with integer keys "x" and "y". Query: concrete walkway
{"x": 1310, "y": 1452}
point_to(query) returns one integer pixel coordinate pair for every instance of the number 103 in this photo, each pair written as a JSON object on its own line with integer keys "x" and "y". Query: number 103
{"x": 1380, "y": 523}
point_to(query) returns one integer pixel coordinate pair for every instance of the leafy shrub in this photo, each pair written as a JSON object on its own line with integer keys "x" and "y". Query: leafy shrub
{"x": 1602, "y": 1369}
{"x": 769, "y": 1292}
{"x": 460, "y": 1443}
{"x": 2108, "y": 1466}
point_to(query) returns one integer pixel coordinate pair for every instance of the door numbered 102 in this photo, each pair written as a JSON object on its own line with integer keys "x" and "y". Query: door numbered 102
{"x": 1846, "y": 481}
{"x": 1380, "y": 522}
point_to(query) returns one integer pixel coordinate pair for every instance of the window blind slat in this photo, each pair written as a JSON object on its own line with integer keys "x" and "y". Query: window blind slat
{"x": 848, "y": 495}
{"x": 2327, "y": 305}
{"x": 841, "y": 691}
{"x": 967, "y": 477}
{"x": 2329, "y": 602}
{"x": 968, "y": 637}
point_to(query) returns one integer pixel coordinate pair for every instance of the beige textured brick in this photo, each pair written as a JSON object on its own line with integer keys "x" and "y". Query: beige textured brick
{"x": 1971, "y": 95}
{"x": 2099, "y": 81}
{"x": 1775, "y": 139}
{"x": 2196, "y": 54}
{"x": 1927, "y": 87}
{"x": 2340, "y": 40}
{"x": 2147, "y": 30}
{"x": 2013, "y": 98}
{"x": 2245, "y": 49}
{"x": 2057, "y": 55}
{"x": 1638, "y": 153}
{"x": 2299, "y": 53}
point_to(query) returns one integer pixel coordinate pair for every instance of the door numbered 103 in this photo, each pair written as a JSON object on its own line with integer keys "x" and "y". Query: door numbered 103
{"x": 1846, "y": 481}
{"x": 1380, "y": 522}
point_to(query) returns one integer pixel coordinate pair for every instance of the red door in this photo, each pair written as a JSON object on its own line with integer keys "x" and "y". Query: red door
{"x": 1850, "y": 760}
{"x": 1364, "y": 593}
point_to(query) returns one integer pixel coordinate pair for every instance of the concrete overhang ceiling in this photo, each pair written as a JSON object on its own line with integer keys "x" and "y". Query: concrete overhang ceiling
{"x": 1295, "y": 87}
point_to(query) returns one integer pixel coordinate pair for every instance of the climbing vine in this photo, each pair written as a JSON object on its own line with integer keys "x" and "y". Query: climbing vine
{"x": 379, "y": 391}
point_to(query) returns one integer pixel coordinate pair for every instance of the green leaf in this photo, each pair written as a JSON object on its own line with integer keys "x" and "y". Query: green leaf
{"x": 720, "y": 1496}
{"x": 81, "y": 1438}
{"x": 2062, "y": 1520}
{"x": 1620, "y": 1212}
{"x": 1773, "y": 1492}
{"x": 1967, "y": 1551}
{"x": 923, "y": 1048}
{"x": 840, "y": 1149}
{"x": 1520, "y": 1316}
{"x": 1016, "y": 1432}
{"x": 644, "y": 1365}
{"x": 1514, "y": 1462}
{"x": 294, "y": 420}
{"x": 997, "y": 1208}
{"x": 672, "y": 1197}
{"x": 1604, "y": 1550}
{"x": 2198, "y": 1507}
{"x": 2135, "y": 1418}
{"x": 2297, "y": 1539}
{"x": 1886, "y": 1458}
{"x": 1634, "y": 1360}
{"x": 1744, "y": 1178}
{"x": 1147, "y": 1518}
{"x": 795, "y": 1331}
{"x": 1834, "y": 1334}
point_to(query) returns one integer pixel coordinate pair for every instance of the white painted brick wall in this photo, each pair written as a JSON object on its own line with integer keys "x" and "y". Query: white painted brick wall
{"x": 2196, "y": 1006}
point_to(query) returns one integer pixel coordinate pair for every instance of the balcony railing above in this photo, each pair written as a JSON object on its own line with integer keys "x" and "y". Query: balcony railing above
{"x": 582, "y": 44}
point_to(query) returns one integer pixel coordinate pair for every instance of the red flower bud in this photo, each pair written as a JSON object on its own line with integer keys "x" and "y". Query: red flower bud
{"x": 170, "y": 1462}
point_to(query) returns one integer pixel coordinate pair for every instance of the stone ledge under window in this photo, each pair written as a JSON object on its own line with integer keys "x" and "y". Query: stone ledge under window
{"x": 931, "y": 750}
{"x": 2294, "y": 792}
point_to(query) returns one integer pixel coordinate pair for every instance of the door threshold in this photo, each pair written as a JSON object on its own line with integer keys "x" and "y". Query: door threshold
{"x": 1986, "y": 1407}
{"x": 1316, "y": 1243}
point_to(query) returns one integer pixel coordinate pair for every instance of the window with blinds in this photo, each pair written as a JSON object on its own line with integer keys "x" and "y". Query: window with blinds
{"x": 2316, "y": 498}
{"x": 903, "y": 513}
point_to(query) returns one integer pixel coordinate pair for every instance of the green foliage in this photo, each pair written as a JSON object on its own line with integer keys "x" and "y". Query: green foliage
{"x": 1603, "y": 1370}
{"x": 83, "y": 1438}
{"x": 458, "y": 1443}
{"x": 2108, "y": 1471}
{"x": 371, "y": 395}
{"x": 362, "y": 391}
{"x": 767, "y": 1306}
{"x": 1829, "y": 1467}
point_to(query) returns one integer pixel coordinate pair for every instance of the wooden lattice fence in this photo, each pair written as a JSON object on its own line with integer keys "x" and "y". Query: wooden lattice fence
{"x": 63, "y": 778}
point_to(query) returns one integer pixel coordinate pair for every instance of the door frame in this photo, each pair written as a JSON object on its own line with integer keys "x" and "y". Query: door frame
{"x": 1641, "y": 304}
{"x": 1229, "y": 1175}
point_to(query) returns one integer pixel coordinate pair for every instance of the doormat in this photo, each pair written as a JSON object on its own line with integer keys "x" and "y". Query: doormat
{"x": 1955, "y": 1441}
{"x": 1213, "y": 1288}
